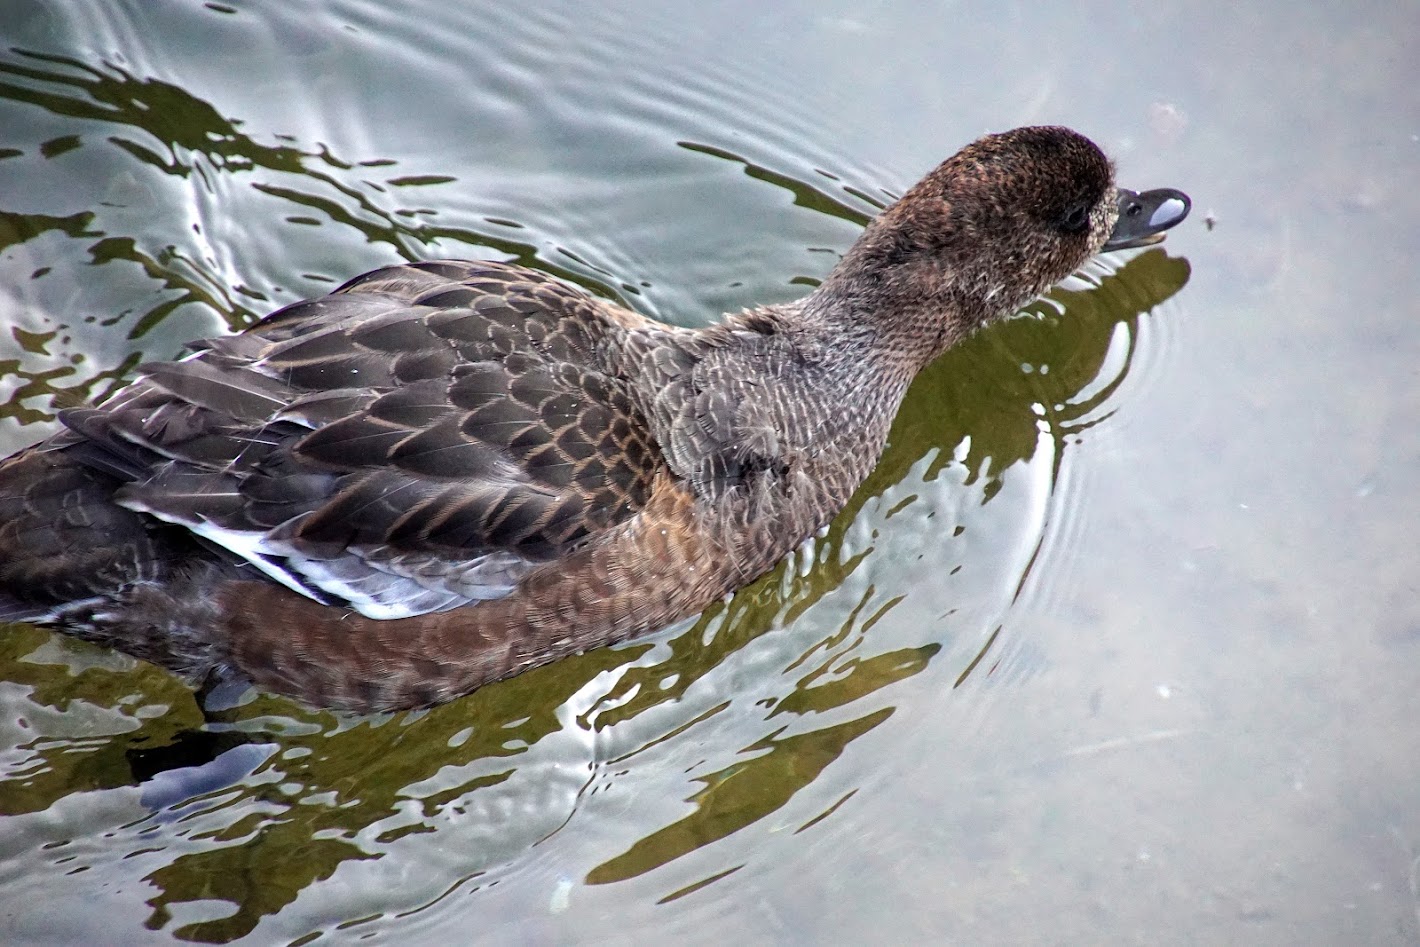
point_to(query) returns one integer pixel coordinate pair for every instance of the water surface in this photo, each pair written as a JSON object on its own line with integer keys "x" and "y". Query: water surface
{"x": 1118, "y": 643}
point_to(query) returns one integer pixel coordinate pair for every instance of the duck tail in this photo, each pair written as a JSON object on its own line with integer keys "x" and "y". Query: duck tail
{"x": 73, "y": 559}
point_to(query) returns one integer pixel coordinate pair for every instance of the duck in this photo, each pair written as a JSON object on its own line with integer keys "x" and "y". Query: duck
{"x": 447, "y": 472}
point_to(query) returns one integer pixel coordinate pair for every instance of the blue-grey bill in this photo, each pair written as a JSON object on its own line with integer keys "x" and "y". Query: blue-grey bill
{"x": 1144, "y": 216}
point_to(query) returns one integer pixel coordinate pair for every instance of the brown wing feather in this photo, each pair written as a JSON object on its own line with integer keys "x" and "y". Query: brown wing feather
{"x": 522, "y": 454}
{"x": 403, "y": 418}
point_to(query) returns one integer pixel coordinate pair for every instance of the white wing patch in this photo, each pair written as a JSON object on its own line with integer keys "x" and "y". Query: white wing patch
{"x": 377, "y": 582}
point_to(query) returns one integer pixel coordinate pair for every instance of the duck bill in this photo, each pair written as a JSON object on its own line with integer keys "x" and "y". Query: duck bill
{"x": 1143, "y": 217}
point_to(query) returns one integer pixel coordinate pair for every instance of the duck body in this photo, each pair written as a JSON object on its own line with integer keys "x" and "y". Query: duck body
{"x": 444, "y": 473}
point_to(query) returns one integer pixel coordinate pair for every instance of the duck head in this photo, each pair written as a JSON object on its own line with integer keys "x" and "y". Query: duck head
{"x": 990, "y": 229}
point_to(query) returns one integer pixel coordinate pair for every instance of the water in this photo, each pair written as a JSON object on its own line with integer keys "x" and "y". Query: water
{"x": 1118, "y": 644}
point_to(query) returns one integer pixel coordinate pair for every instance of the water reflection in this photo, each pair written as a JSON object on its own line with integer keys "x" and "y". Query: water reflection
{"x": 169, "y": 131}
{"x": 181, "y": 125}
{"x": 748, "y": 706}
{"x": 805, "y": 194}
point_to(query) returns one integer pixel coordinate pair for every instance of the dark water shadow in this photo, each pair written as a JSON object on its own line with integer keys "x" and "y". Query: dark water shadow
{"x": 166, "y": 129}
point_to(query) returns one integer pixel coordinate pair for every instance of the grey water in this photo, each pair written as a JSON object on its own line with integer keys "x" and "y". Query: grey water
{"x": 1119, "y": 644}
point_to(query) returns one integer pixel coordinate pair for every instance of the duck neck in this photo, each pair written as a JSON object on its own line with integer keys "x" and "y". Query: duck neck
{"x": 892, "y": 324}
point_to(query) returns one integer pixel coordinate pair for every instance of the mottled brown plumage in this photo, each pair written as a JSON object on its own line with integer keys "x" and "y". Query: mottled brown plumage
{"x": 444, "y": 473}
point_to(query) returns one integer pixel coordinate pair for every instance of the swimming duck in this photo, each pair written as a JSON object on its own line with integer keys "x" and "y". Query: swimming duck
{"x": 444, "y": 473}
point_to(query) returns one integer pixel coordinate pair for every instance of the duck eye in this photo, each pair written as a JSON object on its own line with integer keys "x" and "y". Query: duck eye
{"x": 1076, "y": 219}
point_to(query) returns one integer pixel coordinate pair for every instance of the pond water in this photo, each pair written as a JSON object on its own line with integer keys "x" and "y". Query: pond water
{"x": 1119, "y": 644}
